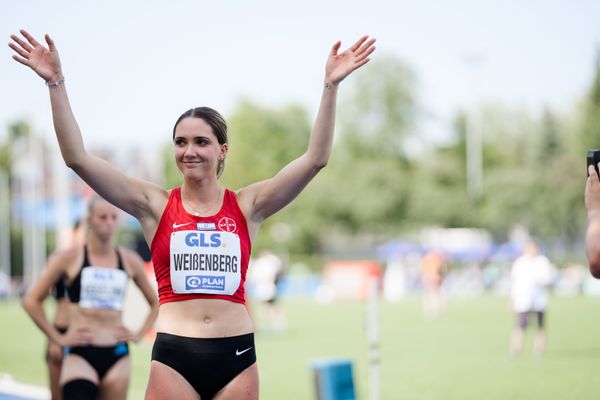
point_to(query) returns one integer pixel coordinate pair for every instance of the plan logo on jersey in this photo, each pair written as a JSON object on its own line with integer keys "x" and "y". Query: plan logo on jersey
{"x": 206, "y": 226}
{"x": 205, "y": 282}
{"x": 227, "y": 224}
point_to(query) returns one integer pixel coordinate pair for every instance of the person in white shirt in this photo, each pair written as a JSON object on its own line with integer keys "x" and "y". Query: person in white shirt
{"x": 531, "y": 275}
{"x": 267, "y": 269}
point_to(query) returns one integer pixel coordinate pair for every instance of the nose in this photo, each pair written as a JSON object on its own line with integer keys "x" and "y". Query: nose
{"x": 189, "y": 151}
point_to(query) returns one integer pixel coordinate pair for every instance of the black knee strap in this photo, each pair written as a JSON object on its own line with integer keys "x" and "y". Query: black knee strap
{"x": 79, "y": 389}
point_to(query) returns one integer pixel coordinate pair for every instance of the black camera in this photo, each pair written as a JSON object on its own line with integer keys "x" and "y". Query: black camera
{"x": 593, "y": 158}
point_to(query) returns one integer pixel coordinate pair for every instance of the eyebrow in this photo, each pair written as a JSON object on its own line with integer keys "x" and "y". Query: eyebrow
{"x": 195, "y": 137}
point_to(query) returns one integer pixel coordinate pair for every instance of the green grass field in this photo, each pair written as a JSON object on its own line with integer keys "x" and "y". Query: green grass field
{"x": 461, "y": 355}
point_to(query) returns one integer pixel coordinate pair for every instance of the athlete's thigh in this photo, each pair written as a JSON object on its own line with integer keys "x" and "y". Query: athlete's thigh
{"x": 75, "y": 367}
{"x": 164, "y": 383}
{"x": 114, "y": 384}
{"x": 242, "y": 387}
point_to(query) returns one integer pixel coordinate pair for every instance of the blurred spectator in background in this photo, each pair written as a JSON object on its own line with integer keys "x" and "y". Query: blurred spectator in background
{"x": 96, "y": 362}
{"x": 531, "y": 275}
{"x": 4, "y": 285}
{"x": 394, "y": 281}
{"x": 570, "y": 280}
{"x": 54, "y": 351}
{"x": 434, "y": 266}
{"x": 265, "y": 273}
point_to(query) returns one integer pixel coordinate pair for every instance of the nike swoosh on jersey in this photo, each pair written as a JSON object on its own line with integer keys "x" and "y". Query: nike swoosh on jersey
{"x": 175, "y": 226}
{"x": 239, "y": 353}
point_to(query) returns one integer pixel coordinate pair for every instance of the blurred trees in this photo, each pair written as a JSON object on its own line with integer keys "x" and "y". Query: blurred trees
{"x": 377, "y": 185}
{"x": 533, "y": 169}
{"x": 590, "y": 121}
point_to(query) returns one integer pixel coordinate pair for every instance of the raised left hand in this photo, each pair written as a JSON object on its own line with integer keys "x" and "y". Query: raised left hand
{"x": 339, "y": 66}
{"x": 43, "y": 61}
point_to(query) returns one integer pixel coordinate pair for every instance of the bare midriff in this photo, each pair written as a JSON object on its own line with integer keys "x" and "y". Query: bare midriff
{"x": 204, "y": 318}
{"x": 102, "y": 323}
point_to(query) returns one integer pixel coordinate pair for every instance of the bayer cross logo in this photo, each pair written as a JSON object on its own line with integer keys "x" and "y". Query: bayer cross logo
{"x": 227, "y": 224}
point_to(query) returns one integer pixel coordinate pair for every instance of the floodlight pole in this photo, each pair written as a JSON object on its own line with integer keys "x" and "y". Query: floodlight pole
{"x": 5, "y": 223}
{"x": 373, "y": 339}
{"x": 34, "y": 235}
{"x": 474, "y": 158}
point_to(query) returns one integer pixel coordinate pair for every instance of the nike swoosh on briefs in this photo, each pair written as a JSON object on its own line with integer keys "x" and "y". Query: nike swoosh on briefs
{"x": 239, "y": 353}
{"x": 175, "y": 226}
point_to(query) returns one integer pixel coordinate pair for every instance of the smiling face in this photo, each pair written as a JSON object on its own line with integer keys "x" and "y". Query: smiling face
{"x": 198, "y": 152}
{"x": 200, "y": 142}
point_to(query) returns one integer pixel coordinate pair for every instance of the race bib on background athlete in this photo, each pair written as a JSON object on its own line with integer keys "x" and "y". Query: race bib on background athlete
{"x": 102, "y": 288}
{"x": 207, "y": 262}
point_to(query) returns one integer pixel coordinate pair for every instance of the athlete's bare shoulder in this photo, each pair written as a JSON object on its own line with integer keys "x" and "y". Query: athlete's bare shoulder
{"x": 155, "y": 204}
{"x": 68, "y": 254}
{"x": 246, "y": 198}
{"x": 68, "y": 260}
{"x": 156, "y": 200}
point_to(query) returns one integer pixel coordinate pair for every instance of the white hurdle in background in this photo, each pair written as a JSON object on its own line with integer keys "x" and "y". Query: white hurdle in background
{"x": 373, "y": 339}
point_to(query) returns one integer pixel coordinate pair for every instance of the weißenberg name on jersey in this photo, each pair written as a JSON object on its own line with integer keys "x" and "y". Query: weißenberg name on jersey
{"x": 205, "y": 262}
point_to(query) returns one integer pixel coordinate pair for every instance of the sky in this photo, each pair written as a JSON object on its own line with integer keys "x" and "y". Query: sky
{"x": 133, "y": 67}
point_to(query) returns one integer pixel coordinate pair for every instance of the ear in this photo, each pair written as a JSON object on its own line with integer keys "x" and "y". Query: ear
{"x": 224, "y": 150}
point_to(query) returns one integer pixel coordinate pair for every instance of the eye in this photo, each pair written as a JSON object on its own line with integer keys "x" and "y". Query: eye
{"x": 201, "y": 141}
{"x": 179, "y": 142}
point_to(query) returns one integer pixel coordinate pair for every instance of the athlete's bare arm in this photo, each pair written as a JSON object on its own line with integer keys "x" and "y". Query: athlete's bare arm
{"x": 265, "y": 198}
{"x": 33, "y": 300}
{"x": 136, "y": 197}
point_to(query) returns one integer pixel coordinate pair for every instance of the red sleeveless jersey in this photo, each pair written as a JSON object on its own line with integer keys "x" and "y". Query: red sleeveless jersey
{"x": 201, "y": 257}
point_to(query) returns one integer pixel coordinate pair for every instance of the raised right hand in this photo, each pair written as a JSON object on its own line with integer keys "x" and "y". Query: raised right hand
{"x": 43, "y": 61}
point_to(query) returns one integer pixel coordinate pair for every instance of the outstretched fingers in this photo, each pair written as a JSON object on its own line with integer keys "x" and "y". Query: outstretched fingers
{"x": 19, "y": 51}
{"x": 29, "y": 38}
{"x": 21, "y": 60}
{"x": 365, "y": 54}
{"x": 23, "y": 49}
{"x": 359, "y": 64}
{"x": 24, "y": 45}
{"x": 335, "y": 48}
{"x": 24, "y": 59}
{"x": 360, "y": 41}
{"x": 50, "y": 42}
{"x": 366, "y": 48}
